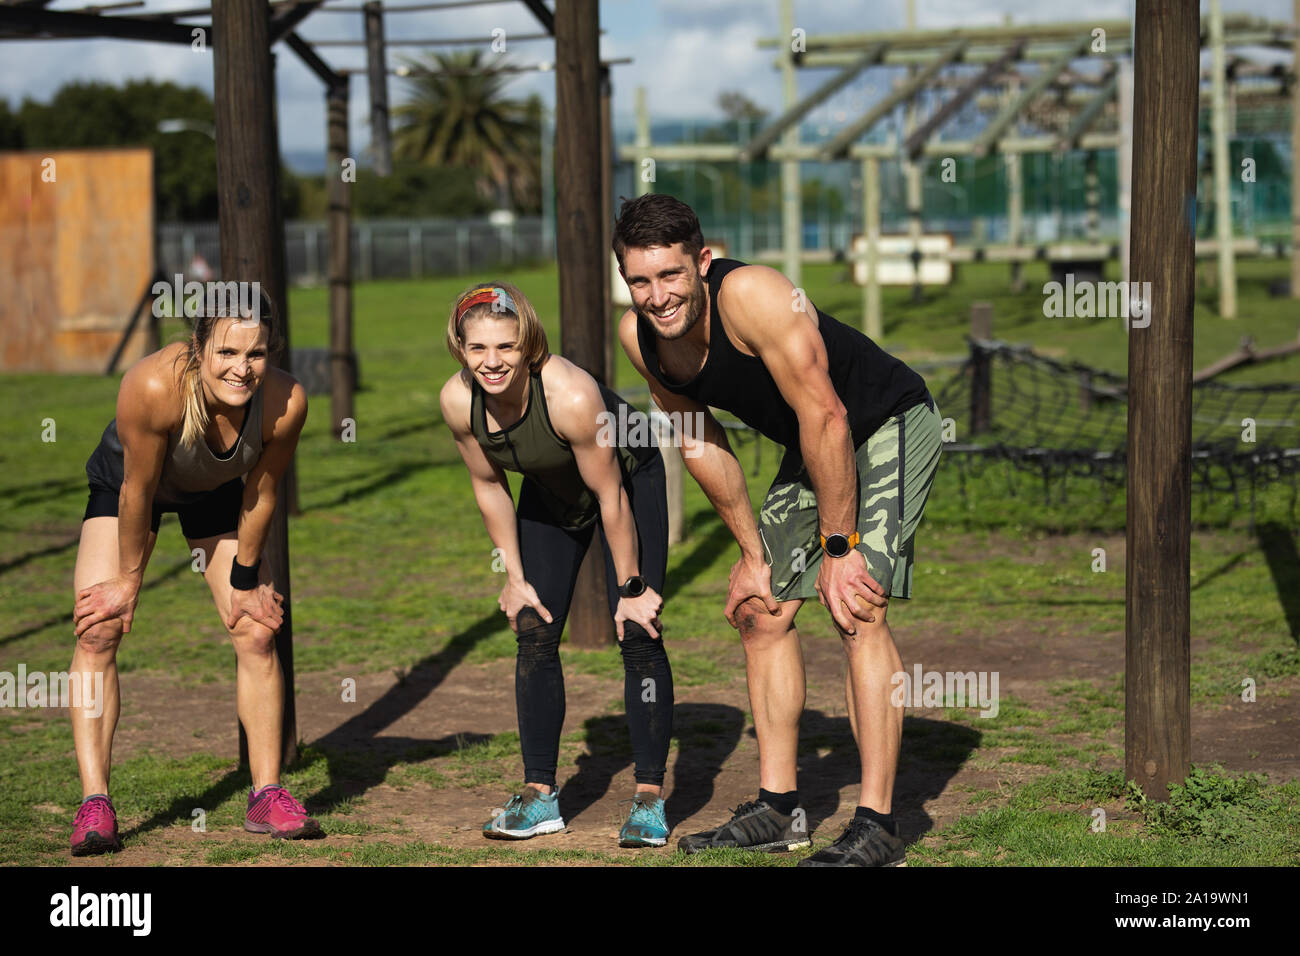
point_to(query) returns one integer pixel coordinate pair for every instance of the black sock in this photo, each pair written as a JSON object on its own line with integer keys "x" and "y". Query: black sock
{"x": 780, "y": 802}
{"x": 886, "y": 820}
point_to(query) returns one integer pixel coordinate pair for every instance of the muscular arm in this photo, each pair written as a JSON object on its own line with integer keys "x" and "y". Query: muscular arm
{"x": 575, "y": 416}
{"x": 714, "y": 466}
{"x": 145, "y": 405}
{"x": 708, "y": 457}
{"x": 770, "y": 316}
{"x": 286, "y": 401}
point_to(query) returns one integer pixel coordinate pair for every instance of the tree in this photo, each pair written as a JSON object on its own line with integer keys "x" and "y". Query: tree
{"x": 456, "y": 114}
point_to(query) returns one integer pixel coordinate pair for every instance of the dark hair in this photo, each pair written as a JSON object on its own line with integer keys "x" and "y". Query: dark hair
{"x": 656, "y": 219}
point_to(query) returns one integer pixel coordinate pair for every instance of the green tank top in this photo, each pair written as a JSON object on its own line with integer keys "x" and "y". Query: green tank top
{"x": 531, "y": 448}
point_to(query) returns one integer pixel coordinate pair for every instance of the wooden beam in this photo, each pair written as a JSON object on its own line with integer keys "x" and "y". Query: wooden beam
{"x": 343, "y": 369}
{"x": 286, "y": 20}
{"x": 313, "y": 62}
{"x": 1157, "y": 583}
{"x": 381, "y": 144}
{"x": 52, "y": 24}
{"x": 579, "y": 235}
{"x": 759, "y": 144}
{"x": 988, "y": 138}
{"x": 250, "y": 219}
{"x": 544, "y": 16}
{"x": 837, "y": 147}
{"x": 1088, "y": 115}
{"x": 915, "y": 143}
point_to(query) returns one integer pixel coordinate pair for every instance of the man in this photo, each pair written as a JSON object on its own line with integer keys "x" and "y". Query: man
{"x": 862, "y": 440}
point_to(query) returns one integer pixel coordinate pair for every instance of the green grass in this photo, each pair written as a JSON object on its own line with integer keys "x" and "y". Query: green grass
{"x": 392, "y": 569}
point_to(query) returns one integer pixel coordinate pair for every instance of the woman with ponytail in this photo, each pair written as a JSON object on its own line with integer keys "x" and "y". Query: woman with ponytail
{"x": 204, "y": 428}
{"x": 515, "y": 407}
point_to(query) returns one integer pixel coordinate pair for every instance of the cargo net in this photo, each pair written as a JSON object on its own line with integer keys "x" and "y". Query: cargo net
{"x": 1063, "y": 419}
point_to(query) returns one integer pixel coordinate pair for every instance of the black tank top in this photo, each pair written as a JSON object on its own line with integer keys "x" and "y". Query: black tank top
{"x": 532, "y": 448}
{"x": 872, "y": 384}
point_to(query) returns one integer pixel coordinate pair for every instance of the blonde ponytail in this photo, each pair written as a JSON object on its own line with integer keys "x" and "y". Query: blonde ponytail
{"x": 194, "y": 419}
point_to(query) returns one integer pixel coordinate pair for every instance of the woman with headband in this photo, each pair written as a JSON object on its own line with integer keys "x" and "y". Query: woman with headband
{"x": 515, "y": 407}
{"x": 204, "y": 428}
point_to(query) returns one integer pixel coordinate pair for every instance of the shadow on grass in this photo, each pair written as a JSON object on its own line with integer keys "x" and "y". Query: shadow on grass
{"x": 706, "y": 736}
{"x": 356, "y": 760}
{"x": 932, "y": 752}
{"x": 1279, "y": 546}
{"x": 66, "y": 616}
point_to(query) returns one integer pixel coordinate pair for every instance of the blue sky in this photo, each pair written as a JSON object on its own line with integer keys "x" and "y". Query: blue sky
{"x": 685, "y": 52}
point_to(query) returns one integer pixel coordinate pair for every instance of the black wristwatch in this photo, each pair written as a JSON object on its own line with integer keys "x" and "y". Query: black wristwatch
{"x": 632, "y": 587}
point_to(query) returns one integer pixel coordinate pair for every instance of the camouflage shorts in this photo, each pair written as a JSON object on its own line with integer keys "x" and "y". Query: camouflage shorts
{"x": 896, "y": 467}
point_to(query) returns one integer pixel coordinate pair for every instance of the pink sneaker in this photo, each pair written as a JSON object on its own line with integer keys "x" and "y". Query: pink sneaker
{"x": 95, "y": 828}
{"x": 271, "y": 810}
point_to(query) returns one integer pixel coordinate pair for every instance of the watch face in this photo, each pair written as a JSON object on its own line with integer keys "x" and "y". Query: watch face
{"x": 837, "y": 545}
{"x": 634, "y": 587}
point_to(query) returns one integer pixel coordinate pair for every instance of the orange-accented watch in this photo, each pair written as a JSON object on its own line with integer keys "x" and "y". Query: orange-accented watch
{"x": 838, "y": 545}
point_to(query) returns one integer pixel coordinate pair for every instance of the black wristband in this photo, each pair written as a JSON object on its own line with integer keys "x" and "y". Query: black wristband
{"x": 244, "y": 578}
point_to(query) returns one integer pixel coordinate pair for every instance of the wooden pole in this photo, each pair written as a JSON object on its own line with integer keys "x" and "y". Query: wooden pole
{"x": 582, "y": 258}
{"x": 1157, "y": 732}
{"x": 1125, "y": 160}
{"x": 644, "y": 182}
{"x": 791, "y": 198}
{"x": 981, "y": 387}
{"x": 607, "y": 218}
{"x": 342, "y": 360}
{"x": 871, "y": 221}
{"x": 1295, "y": 154}
{"x": 1015, "y": 207}
{"x": 912, "y": 176}
{"x": 250, "y": 219}
{"x": 1222, "y": 184}
{"x": 377, "y": 74}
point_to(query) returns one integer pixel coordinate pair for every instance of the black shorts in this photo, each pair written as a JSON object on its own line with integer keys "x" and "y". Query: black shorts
{"x": 216, "y": 512}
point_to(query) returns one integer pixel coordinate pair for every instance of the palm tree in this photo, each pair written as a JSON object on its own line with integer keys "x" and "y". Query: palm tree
{"x": 456, "y": 115}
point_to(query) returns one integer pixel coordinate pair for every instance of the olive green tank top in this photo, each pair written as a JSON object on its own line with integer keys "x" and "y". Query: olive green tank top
{"x": 532, "y": 448}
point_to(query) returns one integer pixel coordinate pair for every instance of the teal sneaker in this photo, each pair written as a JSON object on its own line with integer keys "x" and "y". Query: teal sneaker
{"x": 646, "y": 824}
{"x": 528, "y": 813}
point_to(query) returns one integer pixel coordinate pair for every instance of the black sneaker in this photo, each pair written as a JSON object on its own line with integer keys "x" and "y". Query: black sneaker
{"x": 756, "y": 825}
{"x": 863, "y": 843}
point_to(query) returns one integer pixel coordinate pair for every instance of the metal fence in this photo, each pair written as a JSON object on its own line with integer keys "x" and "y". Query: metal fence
{"x": 381, "y": 249}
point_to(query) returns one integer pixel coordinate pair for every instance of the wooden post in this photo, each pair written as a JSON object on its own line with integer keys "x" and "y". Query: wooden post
{"x": 981, "y": 386}
{"x": 1092, "y": 197}
{"x": 607, "y": 220}
{"x": 644, "y": 184}
{"x": 912, "y": 175}
{"x": 582, "y": 258}
{"x": 871, "y": 226}
{"x": 343, "y": 381}
{"x": 1015, "y": 215}
{"x": 1295, "y": 154}
{"x": 250, "y": 220}
{"x": 1125, "y": 161}
{"x": 791, "y": 196}
{"x": 1157, "y": 731}
{"x": 1222, "y": 184}
{"x": 377, "y": 74}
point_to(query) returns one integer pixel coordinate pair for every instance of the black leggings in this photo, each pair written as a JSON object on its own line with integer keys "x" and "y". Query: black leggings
{"x": 551, "y": 557}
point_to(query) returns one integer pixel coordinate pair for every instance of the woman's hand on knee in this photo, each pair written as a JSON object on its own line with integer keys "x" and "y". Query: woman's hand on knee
{"x": 262, "y": 604}
{"x": 114, "y": 598}
{"x": 643, "y": 609}
{"x": 516, "y": 596}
